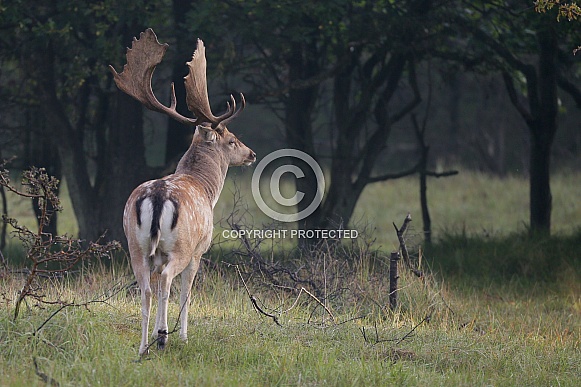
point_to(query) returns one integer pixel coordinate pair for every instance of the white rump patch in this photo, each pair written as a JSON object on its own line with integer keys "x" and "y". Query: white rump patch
{"x": 168, "y": 236}
{"x": 143, "y": 231}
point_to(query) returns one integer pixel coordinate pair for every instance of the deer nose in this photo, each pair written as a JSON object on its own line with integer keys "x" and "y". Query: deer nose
{"x": 252, "y": 155}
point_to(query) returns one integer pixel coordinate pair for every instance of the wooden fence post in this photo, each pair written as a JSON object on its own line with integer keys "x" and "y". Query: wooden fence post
{"x": 393, "y": 277}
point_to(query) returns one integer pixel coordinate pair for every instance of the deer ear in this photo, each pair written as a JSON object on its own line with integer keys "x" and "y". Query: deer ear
{"x": 207, "y": 133}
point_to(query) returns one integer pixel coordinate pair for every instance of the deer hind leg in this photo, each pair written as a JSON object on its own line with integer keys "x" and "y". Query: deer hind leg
{"x": 141, "y": 271}
{"x": 159, "y": 266}
{"x": 187, "y": 280}
{"x": 155, "y": 279}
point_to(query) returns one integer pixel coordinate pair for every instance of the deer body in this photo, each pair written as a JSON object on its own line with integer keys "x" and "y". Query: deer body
{"x": 168, "y": 222}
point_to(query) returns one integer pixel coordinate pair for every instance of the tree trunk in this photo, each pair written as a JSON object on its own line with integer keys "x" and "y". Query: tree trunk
{"x": 426, "y": 220}
{"x": 543, "y": 129}
{"x": 541, "y": 119}
{"x": 540, "y": 188}
{"x": 352, "y": 168}
{"x": 298, "y": 122}
{"x": 125, "y": 164}
{"x": 70, "y": 147}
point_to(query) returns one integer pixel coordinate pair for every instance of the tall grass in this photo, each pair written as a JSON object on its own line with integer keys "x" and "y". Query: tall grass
{"x": 476, "y": 335}
{"x": 502, "y": 258}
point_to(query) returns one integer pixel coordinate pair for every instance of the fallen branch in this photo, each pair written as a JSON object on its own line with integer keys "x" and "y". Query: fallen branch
{"x": 320, "y": 303}
{"x": 83, "y": 304}
{"x": 254, "y": 300}
{"x": 397, "y": 341}
{"x": 274, "y": 317}
{"x": 425, "y": 319}
{"x": 44, "y": 377}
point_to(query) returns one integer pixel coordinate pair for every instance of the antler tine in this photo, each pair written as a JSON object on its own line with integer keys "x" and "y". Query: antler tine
{"x": 230, "y": 107}
{"x": 235, "y": 112}
{"x": 135, "y": 79}
{"x": 173, "y": 102}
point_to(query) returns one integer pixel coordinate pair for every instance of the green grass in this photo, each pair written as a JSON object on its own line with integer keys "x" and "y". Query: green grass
{"x": 478, "y": 335}
{"x": 472, "y": 203}
{"x": 501, "y": 258}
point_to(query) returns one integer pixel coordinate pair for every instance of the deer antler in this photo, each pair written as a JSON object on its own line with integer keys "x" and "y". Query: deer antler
{"x": 135, "y": 80}
{"x": 197, "y": 90}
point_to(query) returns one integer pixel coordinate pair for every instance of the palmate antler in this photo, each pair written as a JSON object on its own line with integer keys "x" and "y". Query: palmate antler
{"x": 135, "y": 80}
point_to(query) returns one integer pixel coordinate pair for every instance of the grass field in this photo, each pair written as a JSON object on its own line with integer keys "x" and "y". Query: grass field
{"x": 503, "y": 309}
{"x": 478, "y": 334}
{"x": 469, "y": 203}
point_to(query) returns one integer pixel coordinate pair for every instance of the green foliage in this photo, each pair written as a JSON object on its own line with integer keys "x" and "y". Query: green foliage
{"x": 83, "y": 37}
{"x": 570, "y": 11}
{"x": 259, "y": 38}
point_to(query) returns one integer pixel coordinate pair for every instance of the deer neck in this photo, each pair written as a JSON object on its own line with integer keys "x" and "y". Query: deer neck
{"x": 206, "y": 165}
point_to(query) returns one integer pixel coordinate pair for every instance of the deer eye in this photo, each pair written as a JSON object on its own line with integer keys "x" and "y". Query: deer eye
{"x": 232, "y": 141}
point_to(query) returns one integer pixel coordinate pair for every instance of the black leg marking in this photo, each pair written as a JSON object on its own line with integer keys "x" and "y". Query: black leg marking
{"x": 176, "y": 206}
{"x": 161, "y": 338}
{"x": 138, "y": 209}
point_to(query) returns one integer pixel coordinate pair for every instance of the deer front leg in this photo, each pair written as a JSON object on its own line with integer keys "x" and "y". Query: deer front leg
{"x": 188, "y": 276}
{"x": 174, "y": 266}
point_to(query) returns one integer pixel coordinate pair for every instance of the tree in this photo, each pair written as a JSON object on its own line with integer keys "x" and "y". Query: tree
{"x": 60, "y": 51}
{"x": 298, "y": 55}
{"x": 524, "y": 47}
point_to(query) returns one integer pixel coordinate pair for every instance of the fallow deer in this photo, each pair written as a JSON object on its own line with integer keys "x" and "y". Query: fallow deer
{"x": 169, "y": 222}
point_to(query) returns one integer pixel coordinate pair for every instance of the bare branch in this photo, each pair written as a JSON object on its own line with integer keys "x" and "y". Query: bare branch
{"x": 509, "y": 83}
{"x": 404, "y": 250}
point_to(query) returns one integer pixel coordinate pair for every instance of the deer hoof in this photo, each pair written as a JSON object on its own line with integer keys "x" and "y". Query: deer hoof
{"x": 161, "y": 338}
